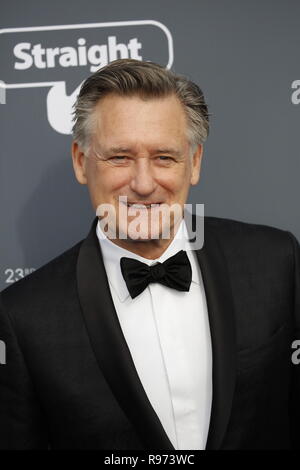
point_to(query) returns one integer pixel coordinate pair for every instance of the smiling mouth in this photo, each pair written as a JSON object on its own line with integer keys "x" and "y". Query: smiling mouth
{"x": 142, "y": 206}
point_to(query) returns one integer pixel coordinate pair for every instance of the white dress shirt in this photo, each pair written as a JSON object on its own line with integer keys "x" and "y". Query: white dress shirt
{"x": 168, "y": 335}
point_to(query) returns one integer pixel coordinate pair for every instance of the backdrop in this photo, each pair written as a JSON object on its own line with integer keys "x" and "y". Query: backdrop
{"x": 243, "y": 54}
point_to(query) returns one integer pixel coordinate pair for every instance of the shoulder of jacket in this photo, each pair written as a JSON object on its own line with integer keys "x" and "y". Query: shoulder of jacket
{"x": 238, "y": 227}
{"x": 54, "y": 276}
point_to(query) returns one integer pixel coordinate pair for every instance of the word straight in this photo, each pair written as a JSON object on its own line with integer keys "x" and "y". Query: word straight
{"x": 97, "y": 55}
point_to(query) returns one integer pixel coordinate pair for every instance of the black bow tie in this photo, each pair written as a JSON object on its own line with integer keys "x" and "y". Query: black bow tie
{"x": 175, "y": 272}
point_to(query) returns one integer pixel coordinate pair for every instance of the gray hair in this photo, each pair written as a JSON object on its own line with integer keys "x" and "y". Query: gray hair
{"x": 130, "y": 77}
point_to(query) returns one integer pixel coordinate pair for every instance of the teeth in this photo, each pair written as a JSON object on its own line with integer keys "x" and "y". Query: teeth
{"x": 142, "y": 206}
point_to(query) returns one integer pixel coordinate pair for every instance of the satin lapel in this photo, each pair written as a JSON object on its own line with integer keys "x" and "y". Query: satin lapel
{"x": 110, "y": 347}
{"x": 222, "y": 328}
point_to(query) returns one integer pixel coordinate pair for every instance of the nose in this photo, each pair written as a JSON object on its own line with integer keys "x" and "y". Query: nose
{"x": 142, "y": 180}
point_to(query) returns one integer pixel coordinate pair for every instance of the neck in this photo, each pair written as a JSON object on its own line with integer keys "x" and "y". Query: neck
{"x": 149, "y": 249}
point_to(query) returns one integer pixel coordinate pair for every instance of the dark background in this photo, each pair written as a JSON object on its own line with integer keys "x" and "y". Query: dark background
{"x": 243, "y": 54}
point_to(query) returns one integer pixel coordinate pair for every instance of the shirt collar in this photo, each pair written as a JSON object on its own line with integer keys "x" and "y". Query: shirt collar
{"x": 112, "y": 254}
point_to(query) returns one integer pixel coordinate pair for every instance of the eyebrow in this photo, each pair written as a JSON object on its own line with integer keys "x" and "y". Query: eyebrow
{"x": 170, "y": 151}
{"x": 118, "y": 150}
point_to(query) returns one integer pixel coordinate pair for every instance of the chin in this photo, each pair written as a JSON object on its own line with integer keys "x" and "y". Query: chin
{"x": 145, "y": 228}
{"x": 142, "y": 236}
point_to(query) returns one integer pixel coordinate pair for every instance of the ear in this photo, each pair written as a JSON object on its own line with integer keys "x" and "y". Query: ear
{"x": 196, "y": 165}
{"x": 79, "y": 163}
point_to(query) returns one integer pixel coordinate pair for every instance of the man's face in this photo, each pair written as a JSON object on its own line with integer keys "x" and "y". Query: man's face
{"x": 139, "y": 150}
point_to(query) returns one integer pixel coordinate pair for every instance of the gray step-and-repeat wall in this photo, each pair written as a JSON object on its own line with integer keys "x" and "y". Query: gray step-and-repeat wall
{"x": 243, "y": 53}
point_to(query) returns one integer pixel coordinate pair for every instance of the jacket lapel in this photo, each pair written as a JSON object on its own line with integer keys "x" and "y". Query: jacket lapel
{"x": 113, "y": 355}
{"x": 110, "y": 347}
{"x": 222, "y": 328}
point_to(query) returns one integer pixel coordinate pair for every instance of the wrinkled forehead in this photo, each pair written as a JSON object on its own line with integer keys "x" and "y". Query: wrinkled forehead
{"x": 123, "y": 121}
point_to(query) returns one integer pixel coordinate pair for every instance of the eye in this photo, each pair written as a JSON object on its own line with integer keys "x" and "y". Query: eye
{"x": 165, "y": 158}
{"x": 118, "y": 159}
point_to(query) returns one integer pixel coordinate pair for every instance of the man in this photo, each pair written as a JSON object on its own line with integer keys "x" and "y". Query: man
{"x": 133, "y": 340}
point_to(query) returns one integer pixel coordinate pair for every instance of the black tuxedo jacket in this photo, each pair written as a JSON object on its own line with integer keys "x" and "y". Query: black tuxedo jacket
{"x": 69, "y": 381}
